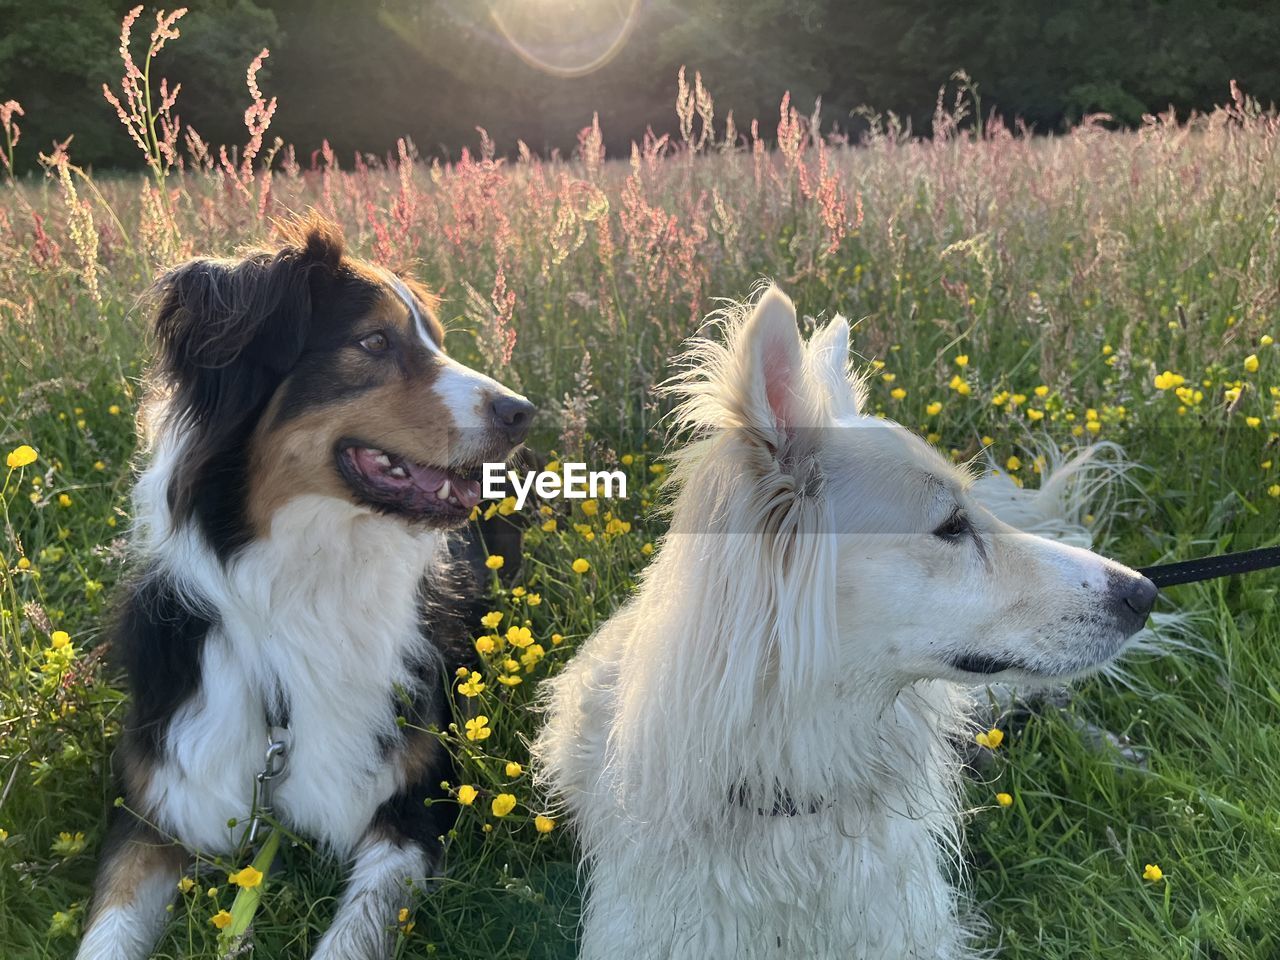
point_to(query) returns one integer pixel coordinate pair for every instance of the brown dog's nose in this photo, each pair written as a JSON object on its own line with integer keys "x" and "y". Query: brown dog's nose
{"x": 512, "y": 416}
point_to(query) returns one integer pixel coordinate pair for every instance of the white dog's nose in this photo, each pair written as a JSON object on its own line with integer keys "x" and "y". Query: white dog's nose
{"x": 1131, "y": 598}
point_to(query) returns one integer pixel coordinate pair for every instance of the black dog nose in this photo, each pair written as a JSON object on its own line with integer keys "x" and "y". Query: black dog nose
{"x": 1132, "y": 599}
{"x": 513, "y": 416}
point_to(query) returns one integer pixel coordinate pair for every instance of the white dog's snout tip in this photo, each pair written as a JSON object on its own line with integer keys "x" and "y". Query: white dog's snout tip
{"x": 1131, "y": 597}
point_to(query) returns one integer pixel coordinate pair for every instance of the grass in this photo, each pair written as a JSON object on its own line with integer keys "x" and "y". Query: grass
{"x": 1094, "y": 265}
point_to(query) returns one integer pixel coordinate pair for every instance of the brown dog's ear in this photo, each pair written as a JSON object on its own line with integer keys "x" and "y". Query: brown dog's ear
{"x": 226, "y": 333}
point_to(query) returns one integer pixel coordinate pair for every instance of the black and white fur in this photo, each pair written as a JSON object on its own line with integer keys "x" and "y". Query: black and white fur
{"x": 276, "y": 576}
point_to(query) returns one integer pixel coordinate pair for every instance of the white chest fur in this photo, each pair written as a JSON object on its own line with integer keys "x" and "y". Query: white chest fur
{"x": 325, "y": 613}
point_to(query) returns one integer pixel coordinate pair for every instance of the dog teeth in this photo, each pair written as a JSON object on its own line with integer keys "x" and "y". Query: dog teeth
{"x": 382, "y": 460}
{"x": 444, "y": 491}
{"x": 399, "y": 472}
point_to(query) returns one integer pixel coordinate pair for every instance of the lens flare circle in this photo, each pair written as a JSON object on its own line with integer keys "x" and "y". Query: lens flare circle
{"x": 547, "y": 61}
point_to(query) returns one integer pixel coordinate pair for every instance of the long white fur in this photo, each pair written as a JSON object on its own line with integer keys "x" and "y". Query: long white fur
{"x": 722, "y": 679}
{"x": 383, "y": 881}
{"x": 128, "y": 931}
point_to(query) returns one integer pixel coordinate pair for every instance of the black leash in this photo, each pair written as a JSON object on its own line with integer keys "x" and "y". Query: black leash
{"x": 1208, "y": 568}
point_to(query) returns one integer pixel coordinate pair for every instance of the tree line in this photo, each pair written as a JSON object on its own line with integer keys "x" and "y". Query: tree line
{"x": 360, "y": 73}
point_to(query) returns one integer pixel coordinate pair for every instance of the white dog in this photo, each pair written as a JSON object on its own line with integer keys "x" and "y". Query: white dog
{"x": 755, "y": 751}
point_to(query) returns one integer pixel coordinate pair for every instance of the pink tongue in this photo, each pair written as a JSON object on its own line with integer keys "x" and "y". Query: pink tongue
{"x": 425, "y": 478}
{"x": 430, "y": 479}
{"x": 467, "y": 492}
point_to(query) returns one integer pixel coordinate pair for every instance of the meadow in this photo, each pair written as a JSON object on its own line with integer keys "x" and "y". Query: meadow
{"x": 1012, "y": 292}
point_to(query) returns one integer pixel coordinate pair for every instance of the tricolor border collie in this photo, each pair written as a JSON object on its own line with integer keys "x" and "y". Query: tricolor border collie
{"x": 757, "y": 752}
{"x": 308, "y": 446}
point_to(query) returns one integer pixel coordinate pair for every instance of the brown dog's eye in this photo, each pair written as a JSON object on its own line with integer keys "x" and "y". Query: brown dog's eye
{"x": 954, "y": 527}
{"x": 376, "y": 343}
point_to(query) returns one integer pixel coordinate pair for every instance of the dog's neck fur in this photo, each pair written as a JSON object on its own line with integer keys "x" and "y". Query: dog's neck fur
{"x": 323, "y": 614}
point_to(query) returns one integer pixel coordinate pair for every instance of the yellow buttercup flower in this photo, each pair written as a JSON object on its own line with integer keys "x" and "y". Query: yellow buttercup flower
{"x": 1013, "y": 464}
{"x": 581, "y": 566}
{"x": 543, "y": 824}
{"x": 494, "y": 562}
{"x": 503, "y": 804}
{"x": 221, "y": 919}
{"x": 898, "y": 393}
{"x": 1251, "y": 363}
{"x": 21, "y": 456}
{"x": 64, "y": 500}
{"x": 1168, "y": 380}
{"x": 68, "y": 844}
{"x": 114, "y": 410}
{"x": 962, "y": 360}
{"x": 532, "y": 656}
{"x": 991, "y": 739}
{"x": 486, "y": 645}
{"x": 1033, "y": 414}
{"x": 590, "y": 507}
{"x": 507, "y": 506}
{"x": 478, "y": 728}
{"x": 510, "y": 680}
{"x": 249, "y": 877}
{"x": 471, "y": 687}
{"x": 1152, "y": 872}
{"x": 518, "y": 592}
{"x": 1041, "y": 391}
{"x": 628, "y": 459}
{"x": 513, "y": 769}
{"x": 467, "y": 794}
{"x": 519, "y": 637}
{"x": 549, "y": 526}
{"x": 1004, "y": 799}
{"x": 491, "y": 619}
{"x": 185, "y": 885}
{"x": 403, "y": 915}
{"x": 647, "y": 549}
{"x": 934, "y": 408}
{"x": 534, "y": 599}
{"x": 59, "y": 639}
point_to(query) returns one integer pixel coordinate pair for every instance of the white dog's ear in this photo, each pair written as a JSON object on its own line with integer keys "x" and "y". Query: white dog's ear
{"x": 770, "y": 370}
{"x": 829, "y": 366}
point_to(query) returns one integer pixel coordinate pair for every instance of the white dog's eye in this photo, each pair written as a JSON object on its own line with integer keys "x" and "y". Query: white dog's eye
{"x": 954, "y": 527}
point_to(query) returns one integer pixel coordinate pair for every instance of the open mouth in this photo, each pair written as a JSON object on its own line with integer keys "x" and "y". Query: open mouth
{"x": 982, "y": 664}
{"x": 424, "y": 492}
